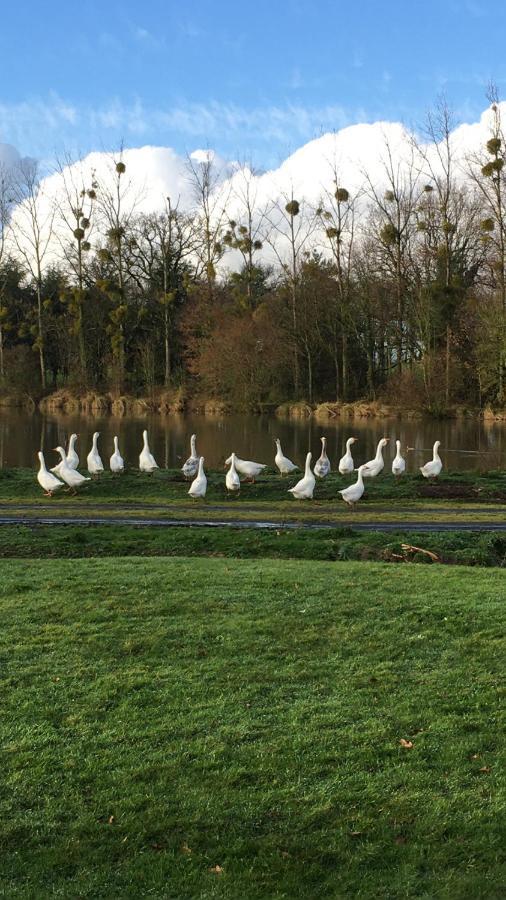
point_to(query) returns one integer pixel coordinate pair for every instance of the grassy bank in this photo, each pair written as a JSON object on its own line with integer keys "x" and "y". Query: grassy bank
{"x": 339, "y": 544}
{"x": 169, "y": 484}
{"x": 212, "y": 728}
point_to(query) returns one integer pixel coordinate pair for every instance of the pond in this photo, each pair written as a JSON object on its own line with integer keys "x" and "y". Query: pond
{"x": 466, "y": 444}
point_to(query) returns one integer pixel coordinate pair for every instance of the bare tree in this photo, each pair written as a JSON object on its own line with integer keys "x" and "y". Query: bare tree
{"x": 164, "y": 243}
{"x": 394, "y": 223}
{"x": 245, "y": 234}
{"x": 487, "y": 170}
{"x": 291, "y": 224}
{"x": 116, "y": 202}
{"x": 5, "y": 210}
{"x": 74, "y": 208}
{"x": 210, "y": 195}
{"x": 336, "y": 216}
{"x": 447, "y": 220}
{"x": 31, "y": 233}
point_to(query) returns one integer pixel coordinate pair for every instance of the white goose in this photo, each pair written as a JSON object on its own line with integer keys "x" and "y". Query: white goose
{"x": 282, "y": 462}
{"x": 71, "y": 456}
{"x": 322, "y": 465}
{"x": 304, "y": 488}
{"x": 354, "y": 492}
{"x": 346, "y": 464}
{"x": 198, "y": 486}
{"x": 250, "y": 470}
{"x": 376, "y": 465}
{"x": 147, "y": 462}
{"x": 71, "y": 477}
{"x": 116, "y": 463}
{"x": 48, "y": 482}
{"x": 232, "y": 480}
{"x": 93, "y": 462}
{"x": 433, "y": 468}
{"x": 399, "y": 463}
{"x": 191, "y": 465}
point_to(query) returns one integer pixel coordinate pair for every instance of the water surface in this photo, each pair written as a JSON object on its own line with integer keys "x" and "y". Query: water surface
{"x": 466, "y": 444}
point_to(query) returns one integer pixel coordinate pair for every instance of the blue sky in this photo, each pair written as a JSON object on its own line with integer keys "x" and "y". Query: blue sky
{"x": 253, "y": 80}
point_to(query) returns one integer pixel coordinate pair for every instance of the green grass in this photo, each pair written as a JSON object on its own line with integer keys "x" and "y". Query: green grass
{"x": 72, "y": 541}
{"x": 473, "y": 497}
{"x": 169, "y": 485}
{"x": 161, "y": 717}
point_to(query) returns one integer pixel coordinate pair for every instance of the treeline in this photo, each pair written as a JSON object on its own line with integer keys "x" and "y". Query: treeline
{"x": 396, "y": 289}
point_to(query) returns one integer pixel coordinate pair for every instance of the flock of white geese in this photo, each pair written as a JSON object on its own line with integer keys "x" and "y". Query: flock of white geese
{"x": 66, "y": 471}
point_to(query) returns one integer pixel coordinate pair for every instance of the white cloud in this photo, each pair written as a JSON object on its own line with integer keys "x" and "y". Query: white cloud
{"x": 158, "y": 172}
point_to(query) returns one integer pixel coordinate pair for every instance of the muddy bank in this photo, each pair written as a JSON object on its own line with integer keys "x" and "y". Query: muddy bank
{"x": 165, "y": 402}
{"x": 377, "y": 409}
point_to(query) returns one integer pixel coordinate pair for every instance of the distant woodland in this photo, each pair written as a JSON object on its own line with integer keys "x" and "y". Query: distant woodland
{"x": 395, "y": 290}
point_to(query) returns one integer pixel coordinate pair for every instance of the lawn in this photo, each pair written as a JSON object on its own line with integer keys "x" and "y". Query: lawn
{"x": 194, "y": 728}
{"x": 169, "y": 485}
{"x": 339, "y": 544}
{"x": 468, "y": 498}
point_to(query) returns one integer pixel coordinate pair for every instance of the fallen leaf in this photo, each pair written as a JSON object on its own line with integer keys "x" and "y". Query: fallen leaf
{"x": 406, "y": 744}
{"x": 285, "y": 854}
{"x": 400, "y": 839}
{"x": 355, "y": 833}
{"x": 475, "y": 756}
{"x": 485, "y": 769}
{"x": 216, "y": 870}
{"x": 185, "y": 848}
{"x": 111, "y": 820}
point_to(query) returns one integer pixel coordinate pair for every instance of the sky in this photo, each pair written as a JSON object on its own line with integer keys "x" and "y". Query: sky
{"x": 254, "y": 81}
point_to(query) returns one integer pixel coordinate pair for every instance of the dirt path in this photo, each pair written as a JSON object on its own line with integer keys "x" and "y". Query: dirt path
{"x": 371, "y": 525}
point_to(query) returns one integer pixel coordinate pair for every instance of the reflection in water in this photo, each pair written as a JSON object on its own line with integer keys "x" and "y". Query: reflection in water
{"x": 23, "y": 433}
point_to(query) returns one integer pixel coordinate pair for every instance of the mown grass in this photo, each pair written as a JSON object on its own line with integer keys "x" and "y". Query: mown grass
{"x": 458, "y": 498}
{"x": 338, "y": 544}
{"x": 169, "y": 485}
{"x": 183, "y": 728}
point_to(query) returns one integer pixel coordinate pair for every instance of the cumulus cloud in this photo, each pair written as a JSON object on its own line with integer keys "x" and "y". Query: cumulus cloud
{"x": 158, "y": 172}
{"x": 10, "y": 157}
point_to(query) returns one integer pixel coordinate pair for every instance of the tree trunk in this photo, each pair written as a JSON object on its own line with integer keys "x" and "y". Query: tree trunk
{"x": 448, "y": 365}
{"x": 296, "y": 374}
{"x": 42, "y": 361}
{"x": 80, "y": 333}
{"x": 337, "y": 373}
{"x": 309, "y": 375}
{"x": 344, "y": 379}
{"x": 167, "y": 348}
